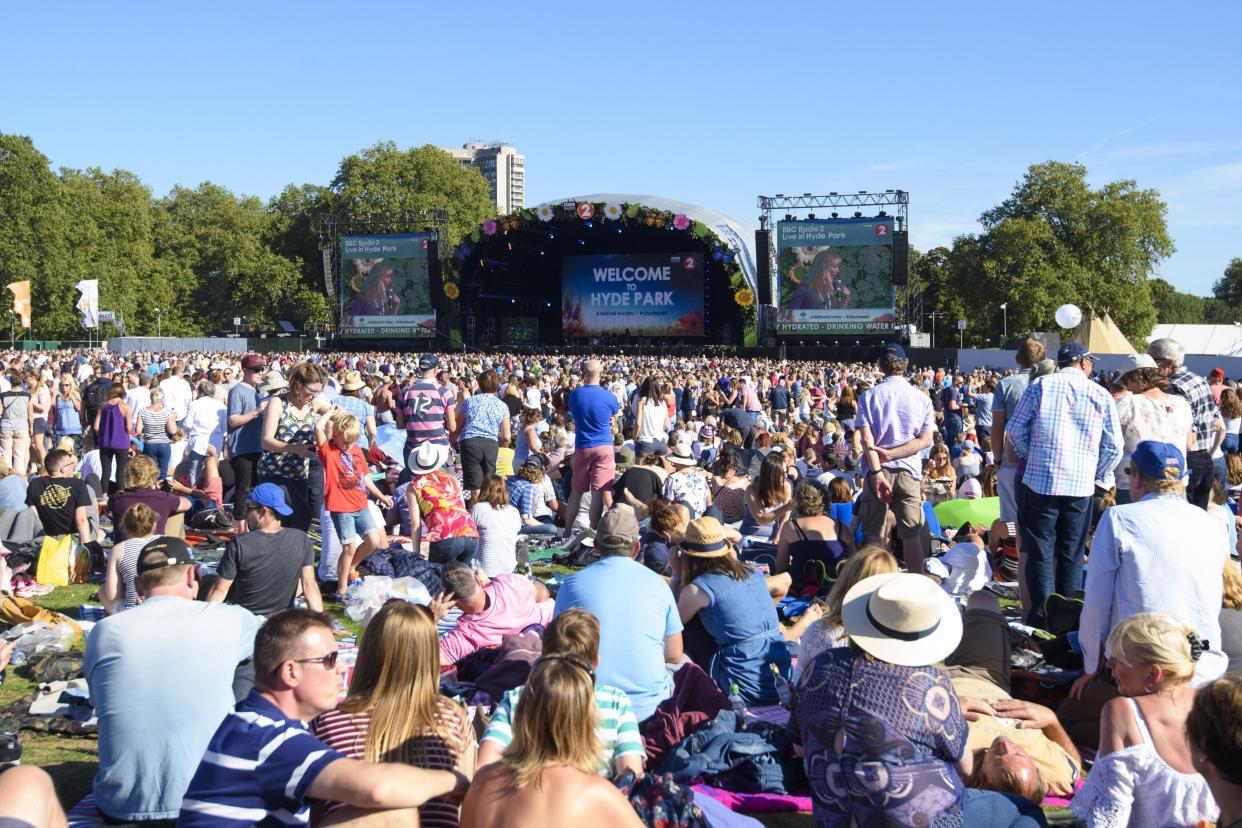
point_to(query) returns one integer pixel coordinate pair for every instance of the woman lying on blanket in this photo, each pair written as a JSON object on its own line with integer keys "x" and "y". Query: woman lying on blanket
{"x": 548, "y": 776}
{"x": 574, "y": 635}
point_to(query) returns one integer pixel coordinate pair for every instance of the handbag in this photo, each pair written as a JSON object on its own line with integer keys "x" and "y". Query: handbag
{"x": 55, "y": 556}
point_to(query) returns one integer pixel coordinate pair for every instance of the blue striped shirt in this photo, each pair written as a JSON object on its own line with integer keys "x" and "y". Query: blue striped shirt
{"x": 256, "y": 771}
{"x": 1066, "y": 428}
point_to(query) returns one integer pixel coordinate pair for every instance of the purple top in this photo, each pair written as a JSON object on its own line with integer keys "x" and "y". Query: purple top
{"x": 113, "y": 433}
{"x": 896, "y": 412}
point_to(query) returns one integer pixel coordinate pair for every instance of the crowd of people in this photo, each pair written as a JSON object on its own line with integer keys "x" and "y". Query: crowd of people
{"x": 866, "y": 546}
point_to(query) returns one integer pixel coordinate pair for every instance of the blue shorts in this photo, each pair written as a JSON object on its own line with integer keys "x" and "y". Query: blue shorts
{"x": 353, "y": 525}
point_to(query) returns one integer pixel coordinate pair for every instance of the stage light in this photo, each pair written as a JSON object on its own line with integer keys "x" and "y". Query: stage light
{"x": 806, "y": 195}
{"x": 862, "y": 192}
{"x": 551, "y": 235}
{"x": 857, "y": 214}
{"x": 811, "y": 216}
{"x": 836, "y": 215}
{"x": 512, "y": 301}
{"x": 789, "y": 217}
{"x": 833, "y": 193}
{"x": 883, "y": 214}
{"x": 581, "y": 241}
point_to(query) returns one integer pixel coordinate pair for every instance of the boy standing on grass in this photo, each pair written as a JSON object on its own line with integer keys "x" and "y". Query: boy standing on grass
{"x": 345, "y": 486}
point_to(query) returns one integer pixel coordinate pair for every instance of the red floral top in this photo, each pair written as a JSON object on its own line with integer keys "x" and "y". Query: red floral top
{"x": 441, "y": 508}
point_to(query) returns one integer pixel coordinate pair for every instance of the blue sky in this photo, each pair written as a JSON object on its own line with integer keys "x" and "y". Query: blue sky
{"x": 707, "y": 103}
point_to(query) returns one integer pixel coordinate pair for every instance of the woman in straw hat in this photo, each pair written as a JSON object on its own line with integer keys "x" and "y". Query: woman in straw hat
{"x": 350, "y": 399}
{"x": 732, "y": 600}
{"x": 884, "y": 738}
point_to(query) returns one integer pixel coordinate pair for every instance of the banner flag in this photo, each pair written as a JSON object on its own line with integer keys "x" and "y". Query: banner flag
{"x": 88, "y": 303}
{"x": 21, "y": 300}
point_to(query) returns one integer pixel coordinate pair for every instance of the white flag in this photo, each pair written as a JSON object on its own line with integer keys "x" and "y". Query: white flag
{"x": 88, "y": 303}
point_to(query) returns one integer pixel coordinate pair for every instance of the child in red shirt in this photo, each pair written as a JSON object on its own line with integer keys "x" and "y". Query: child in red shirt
{"x": 346, "y": 482}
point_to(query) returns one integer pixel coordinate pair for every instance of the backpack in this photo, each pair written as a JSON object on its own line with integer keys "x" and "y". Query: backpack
{"x": 96, "y": 395}
{"x": 212, "y": 519}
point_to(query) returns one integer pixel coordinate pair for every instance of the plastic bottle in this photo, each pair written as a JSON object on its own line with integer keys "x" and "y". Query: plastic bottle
{"x": 784, "y": 688}
{"x": 736, "y": 703}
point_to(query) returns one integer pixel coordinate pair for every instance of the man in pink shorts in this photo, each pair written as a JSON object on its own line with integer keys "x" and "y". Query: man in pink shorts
{"x": 595, "y": 467}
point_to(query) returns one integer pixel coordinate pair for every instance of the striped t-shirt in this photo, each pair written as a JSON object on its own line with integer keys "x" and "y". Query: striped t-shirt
{"x": 424, "y": 406}
{"x": 257, "y": 770}
{"x": 617, "y": 727}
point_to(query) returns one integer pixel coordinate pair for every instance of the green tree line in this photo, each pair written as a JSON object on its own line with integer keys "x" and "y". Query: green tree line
{"x": 201, "y": 255}
{"x": 1058, "y": 240}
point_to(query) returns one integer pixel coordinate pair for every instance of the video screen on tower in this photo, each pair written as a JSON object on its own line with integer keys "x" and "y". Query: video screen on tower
{"x": 385, "y": 285}
{"x": 835, "y": 276}
{"x": 634, "y": 294}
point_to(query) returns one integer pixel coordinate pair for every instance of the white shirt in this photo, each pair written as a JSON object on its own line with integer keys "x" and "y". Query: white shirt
{"x": 1161, "y": 554}
{"x": 205, "y": 425}
{"x": 498, "y": 536}
{"x": 177, "y": 396}
{"x": 138, "y": 398}
{"x": 968, "y": 568}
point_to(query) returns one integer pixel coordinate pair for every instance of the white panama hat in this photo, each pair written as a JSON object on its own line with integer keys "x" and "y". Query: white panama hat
{"x": 902, "y": 618}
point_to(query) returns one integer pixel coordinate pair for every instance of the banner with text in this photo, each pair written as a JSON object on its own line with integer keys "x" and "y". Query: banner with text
{"x": 641, "y": 294}
{"x": 385, "y": 286}
{"x": 836, "y": 276}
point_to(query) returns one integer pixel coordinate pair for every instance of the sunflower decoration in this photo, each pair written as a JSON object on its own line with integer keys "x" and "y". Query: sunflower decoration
{"x": 452, "y": 291}
{"x": 744, "y": 297}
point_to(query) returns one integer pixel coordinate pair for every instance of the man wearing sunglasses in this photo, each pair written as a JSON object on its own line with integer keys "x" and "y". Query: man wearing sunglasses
{"x": 262, "y": 764}
{"x": 161, "y": 679}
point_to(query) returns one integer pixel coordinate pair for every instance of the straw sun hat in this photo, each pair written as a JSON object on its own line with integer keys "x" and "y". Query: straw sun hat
{"x": 902, "y": 619}
{"x": 705, "y": 539}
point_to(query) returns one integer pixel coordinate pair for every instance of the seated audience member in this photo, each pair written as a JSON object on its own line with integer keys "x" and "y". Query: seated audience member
{"x": 883, "y": 736}
{"x": 665, "y": 530}
{"x": 1019, "y": 747}
{"x": 548, "y": 776}
{"x": 491, "y": 608}
{"x": 525, "y": 495}
{"x": 434, "y": 507}
{"x": 120, "y": 589}
{"x": 1159, "y": 553}
{"x": 28, "y": 799}
{"x": 829, "y": 632}
{"x": 811, "y": 535}
{"x": 1144, "y": 774}
{"x": 574, "y": 635}
{"x": 1214, "y": 732}
{"x": 964, "y": 569}
{"x": 60, "y": 500}
{"x": 640, "y": 484}
{"x": 1231, "y": 616}
{"x": 262, "y": 568}
{"x": 161, "y": 677}
{"x": 639, "y": 627}
{"x": 262, "y": 764}
{"x": 141, "y": 485}
{"x": 729, "y": 485}
{"x": 498, "y": 524}
{"x": 732, "y": 599}
{"x": 394, "y": 711}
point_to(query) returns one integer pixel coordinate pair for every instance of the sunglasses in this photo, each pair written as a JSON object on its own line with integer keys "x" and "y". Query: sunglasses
{"x": 328, "y": 662}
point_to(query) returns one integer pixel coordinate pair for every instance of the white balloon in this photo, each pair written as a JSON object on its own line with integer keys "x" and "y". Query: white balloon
{"x": 1068, "y": 316}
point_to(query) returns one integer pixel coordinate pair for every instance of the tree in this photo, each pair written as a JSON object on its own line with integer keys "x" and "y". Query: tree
{"x": 1228, "y": 288}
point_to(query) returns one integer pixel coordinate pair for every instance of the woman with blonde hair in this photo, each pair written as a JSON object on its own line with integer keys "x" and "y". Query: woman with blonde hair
{"x": 1214, "y": 729}
{"x": 289, "y": 443}
{"x": 120, "y": 591}
{"x": 394, "y": 712}
{"x": 1231, "y": 615}
{"x": 68, "y": 407}
{"x": 548, "y": 775}
{"x": 155, "y": 425}
{"x": 829, "y": 631}
{"x": 140, "y": 484}
{"x": 1144, "y": 774}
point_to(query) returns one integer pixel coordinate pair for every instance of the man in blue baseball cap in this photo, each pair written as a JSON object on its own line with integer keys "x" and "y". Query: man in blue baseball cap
{"x": 1159, "y": 553}
{"x": 262, "y": 568}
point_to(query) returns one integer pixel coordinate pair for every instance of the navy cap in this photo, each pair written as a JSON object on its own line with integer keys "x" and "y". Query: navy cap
{"x": 163, "y": 551}
{"x": 1159, "y": 461}
{"x": 428, "y": 361}
{"x": 1073, "y": 352}
{"x": 895, "y": 349}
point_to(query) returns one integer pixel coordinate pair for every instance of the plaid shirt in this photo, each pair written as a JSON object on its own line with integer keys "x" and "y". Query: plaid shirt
{"x": 1195, "y": 390}
{"x": 1066, "y": 428}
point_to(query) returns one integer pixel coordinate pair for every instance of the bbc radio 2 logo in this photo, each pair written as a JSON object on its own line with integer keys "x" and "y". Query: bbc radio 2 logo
{"x": 881, "y": 231}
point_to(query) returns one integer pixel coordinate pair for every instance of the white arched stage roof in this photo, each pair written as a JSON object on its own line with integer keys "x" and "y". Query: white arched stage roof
{"x": 737, "y": 235}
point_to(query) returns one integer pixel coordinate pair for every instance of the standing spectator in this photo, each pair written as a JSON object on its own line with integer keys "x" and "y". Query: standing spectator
{"x": 245, "y": 434}
{"x": 984, "y": 399}
{"x": 653, "y": 420}
{"x": 94, "y": 396}
{"x": 350, "y": 400}
{"x": 1170, "y": 358}
{"x": 136, "y": 394}
{"x": 205, "y": 426}
{"x": 17, "y": 418}
{"x": 427, "y": 410}
{"x": 155, "y": 426}
{"x": 111, "y": 426}
{"x": 1216, "y": 383}
{"x": 1065, "y": 427}
{"x": 594, "y": 462}
{"x": 68, "y": 408}
{"x": 346, "y": 483}
{"x": 895, "y": 422}
{"x": 41, "y": 405}
{"x": 1148, "y": 413}
{"x": 485, "y": 426}
{"x": 289, "y": 443}
{"x": 1231, "y": 410}
{"x": 262, "y": 568}
{"x": 177, "y": 392}
{"x": 951, "y": 404}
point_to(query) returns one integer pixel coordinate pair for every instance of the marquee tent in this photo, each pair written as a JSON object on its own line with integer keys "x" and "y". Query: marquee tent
{"x": 1215, "y": 340}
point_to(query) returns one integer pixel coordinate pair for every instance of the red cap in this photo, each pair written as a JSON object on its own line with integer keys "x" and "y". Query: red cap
{"x": 1217, "y": 372}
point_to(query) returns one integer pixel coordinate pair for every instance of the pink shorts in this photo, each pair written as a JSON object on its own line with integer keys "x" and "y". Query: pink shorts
{"x": 595, "y": 469}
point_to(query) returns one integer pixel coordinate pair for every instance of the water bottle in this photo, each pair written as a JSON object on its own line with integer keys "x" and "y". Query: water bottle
{"x": 18, "y": 658}
{"x": 735, "y": 702}
{"x": 784, "y": 688}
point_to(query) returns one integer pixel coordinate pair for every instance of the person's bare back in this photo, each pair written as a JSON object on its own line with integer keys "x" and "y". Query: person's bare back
{"x": 559, "y": 797}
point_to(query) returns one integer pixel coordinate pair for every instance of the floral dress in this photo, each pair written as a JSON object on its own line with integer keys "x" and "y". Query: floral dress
{"x": 440, "y": 507}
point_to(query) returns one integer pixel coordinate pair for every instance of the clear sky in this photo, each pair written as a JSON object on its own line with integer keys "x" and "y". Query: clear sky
{"x": 711, "y": 103}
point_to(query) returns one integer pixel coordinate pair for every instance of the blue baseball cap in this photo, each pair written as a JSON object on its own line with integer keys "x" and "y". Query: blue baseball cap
{"x": 1159, "y": 461}
{"x": 1074, "y": 352}
{"x": 895, "y": 349}
{"x": 271, "y": 496}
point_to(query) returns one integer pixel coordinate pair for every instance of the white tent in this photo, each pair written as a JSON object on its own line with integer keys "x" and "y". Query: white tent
{"x": 1213, "y": 340}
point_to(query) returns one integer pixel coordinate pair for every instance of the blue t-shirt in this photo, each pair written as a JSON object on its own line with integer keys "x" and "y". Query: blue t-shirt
{"x": 484, "y": 415}
{"x": 593, "y": 409}
{"x": 636, "y": 613}
{"x": 256, "y": 771}
{"x": 161, "y": 679}
{"x": 248, "y": 439}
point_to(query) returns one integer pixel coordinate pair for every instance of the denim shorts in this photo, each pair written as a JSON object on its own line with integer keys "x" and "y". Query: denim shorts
{"x": 353, "y": 525}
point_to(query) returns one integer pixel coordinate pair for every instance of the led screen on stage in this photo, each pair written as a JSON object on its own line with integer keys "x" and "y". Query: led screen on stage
{"x": 835, "y": 276}
{"x": 385, "y": 288}
{"x": 639, "y": 294}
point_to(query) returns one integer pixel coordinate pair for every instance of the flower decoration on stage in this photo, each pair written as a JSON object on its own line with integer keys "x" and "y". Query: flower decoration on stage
{"x": 452, "y": 291}
{"x": 681, "y": 221}
{"x": 545, "y": 213}
{"x": 744, "y": 297}
{"x": 613, "y": 211}
{"x": 489, "y": 227}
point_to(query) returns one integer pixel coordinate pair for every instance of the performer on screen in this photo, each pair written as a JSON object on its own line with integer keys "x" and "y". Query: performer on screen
{"x": 378, "y": 297}
{"x": 823, "y": 288}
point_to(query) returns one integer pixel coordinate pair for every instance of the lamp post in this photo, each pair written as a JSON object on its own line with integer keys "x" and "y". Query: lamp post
{"x": 1004, "y": 323}
{"x": 159, "y": 327}
{"x": 933, "y": 327}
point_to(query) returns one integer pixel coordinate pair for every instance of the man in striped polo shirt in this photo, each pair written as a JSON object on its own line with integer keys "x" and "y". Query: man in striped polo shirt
{"x": 262, "y": 764}
{"x": 427, "y": 410}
